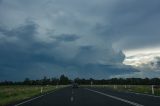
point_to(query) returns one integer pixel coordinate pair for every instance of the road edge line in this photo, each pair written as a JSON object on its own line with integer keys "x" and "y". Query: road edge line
{"x": 28, "y": 100}
{"x": 117, "y": 98}
{"x": 142, "y": 94}
{"x": 21, "y": 103}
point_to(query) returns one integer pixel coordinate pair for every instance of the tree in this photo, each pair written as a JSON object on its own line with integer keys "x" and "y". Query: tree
{"x": 46, "y": 81}
{"x": 54, "y": 81}
{"x": 64, "y": 80}
{"x": 27, "y": 81}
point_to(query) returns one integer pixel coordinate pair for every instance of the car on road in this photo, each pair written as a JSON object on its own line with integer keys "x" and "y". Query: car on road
{"x": 74, "y": 85}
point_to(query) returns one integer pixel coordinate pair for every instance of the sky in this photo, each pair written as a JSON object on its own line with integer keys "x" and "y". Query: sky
{"x": 79, "y": 38}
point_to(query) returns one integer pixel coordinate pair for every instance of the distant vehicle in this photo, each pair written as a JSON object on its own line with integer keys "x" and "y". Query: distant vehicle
{"x": 74, "y": 85}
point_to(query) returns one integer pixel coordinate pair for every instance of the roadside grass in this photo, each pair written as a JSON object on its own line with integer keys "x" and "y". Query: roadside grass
{"x": 13, "y": 93}
{"x": 144, "y": 89}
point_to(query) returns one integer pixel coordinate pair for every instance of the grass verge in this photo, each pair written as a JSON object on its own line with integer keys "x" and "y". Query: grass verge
{"x": 12, "y": 93}
{"x": 144, "y": 89}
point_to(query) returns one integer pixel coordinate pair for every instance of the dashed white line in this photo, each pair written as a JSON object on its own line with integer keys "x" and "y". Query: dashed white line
{"x": 72, "y": 98}
{"x": 114, "y": 97}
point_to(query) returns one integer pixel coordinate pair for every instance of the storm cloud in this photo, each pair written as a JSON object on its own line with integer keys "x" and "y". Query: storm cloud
{"x": 77, "y": 38}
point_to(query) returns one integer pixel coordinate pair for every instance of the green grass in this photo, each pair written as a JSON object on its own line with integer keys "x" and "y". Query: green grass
{"x": 13, "y": 93}
{"x": 144, "y": 89}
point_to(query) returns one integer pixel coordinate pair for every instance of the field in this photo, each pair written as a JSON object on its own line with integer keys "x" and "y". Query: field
{"x": 12, "y": 93}
{"x": 144, "y": 89}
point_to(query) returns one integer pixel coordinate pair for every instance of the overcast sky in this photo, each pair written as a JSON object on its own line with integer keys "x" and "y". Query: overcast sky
{"x": 79, "y": 38}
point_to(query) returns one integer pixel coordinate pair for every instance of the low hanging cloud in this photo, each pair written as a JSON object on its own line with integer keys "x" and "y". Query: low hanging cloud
{"x": 49, "y": 37}
{"x": 23, "y": 54}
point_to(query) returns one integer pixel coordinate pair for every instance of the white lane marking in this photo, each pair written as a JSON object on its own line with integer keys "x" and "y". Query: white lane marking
{"x": 143, "y": 94}
{"x": 32, "y": 99}
{"x": 28, "y": 100}
{"x": 72, "y": 92}
{"x": 117, "y": 98}
{"x": 72, "y": 99}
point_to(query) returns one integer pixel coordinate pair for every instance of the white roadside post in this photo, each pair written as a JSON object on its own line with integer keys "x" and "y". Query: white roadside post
{"x": 115, "y": 86}
{"x": 153, "y": 89}
{"x": 103, "y": 85}
{"x": 41, "y": 89}
{"x": 57, "y": 85}
{"x": 125, "y": 86}
{"x": 91, "y": 83}
{"x": 129, "y": 86}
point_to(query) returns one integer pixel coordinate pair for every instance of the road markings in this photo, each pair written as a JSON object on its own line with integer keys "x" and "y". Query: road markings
{"x": 28, "y": 100}
{"x": 114, "y": 97}
{"x": 32, "y": 99}
{"x": 142, "y": 94}
{"x": 72, "y": 99}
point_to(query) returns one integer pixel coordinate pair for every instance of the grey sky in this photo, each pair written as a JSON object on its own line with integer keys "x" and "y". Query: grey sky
{"x": 79, "y": 38}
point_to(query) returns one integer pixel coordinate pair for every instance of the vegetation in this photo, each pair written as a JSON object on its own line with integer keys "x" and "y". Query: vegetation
{"x": 63, "y": 80}
{"x": 15, "y": 91}
{"x": 12, "y": 93}
{"x": 119, "y": 81}
{"x": 144, "y": 89}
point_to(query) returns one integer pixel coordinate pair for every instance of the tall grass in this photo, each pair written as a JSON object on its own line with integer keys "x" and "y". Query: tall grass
{"x": 10, "y": 94}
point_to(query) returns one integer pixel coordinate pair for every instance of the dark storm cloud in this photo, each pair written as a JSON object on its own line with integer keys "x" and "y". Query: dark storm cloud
{"x": 66, "y": 37}
{"x": 155, "y": 63}
{"x": 21, "y": 52}
{"x": 137, "y": 22}
{"x": 78, "y": 38}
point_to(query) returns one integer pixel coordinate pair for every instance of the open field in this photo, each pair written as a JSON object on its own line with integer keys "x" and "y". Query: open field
{"x": 144, "y": 89}
{"x": 13, "y": 93}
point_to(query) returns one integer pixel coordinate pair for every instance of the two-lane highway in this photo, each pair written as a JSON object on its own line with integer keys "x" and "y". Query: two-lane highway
{"x": 91, "y": 96}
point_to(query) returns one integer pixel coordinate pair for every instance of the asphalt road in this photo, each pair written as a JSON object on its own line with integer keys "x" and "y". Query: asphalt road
{"x": 91, "y": 97}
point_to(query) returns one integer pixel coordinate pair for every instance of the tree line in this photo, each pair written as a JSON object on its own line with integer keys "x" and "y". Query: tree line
{"x": 64, "y": 80}
{"x": 119, "y": 81}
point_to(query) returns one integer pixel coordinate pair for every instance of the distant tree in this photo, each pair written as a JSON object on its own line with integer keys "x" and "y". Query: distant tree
{"x": 45, "y": 81}
{"x": 64, "y": 80}
{"x": 27, "y": 81}
{"x": 54, "y": 81}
